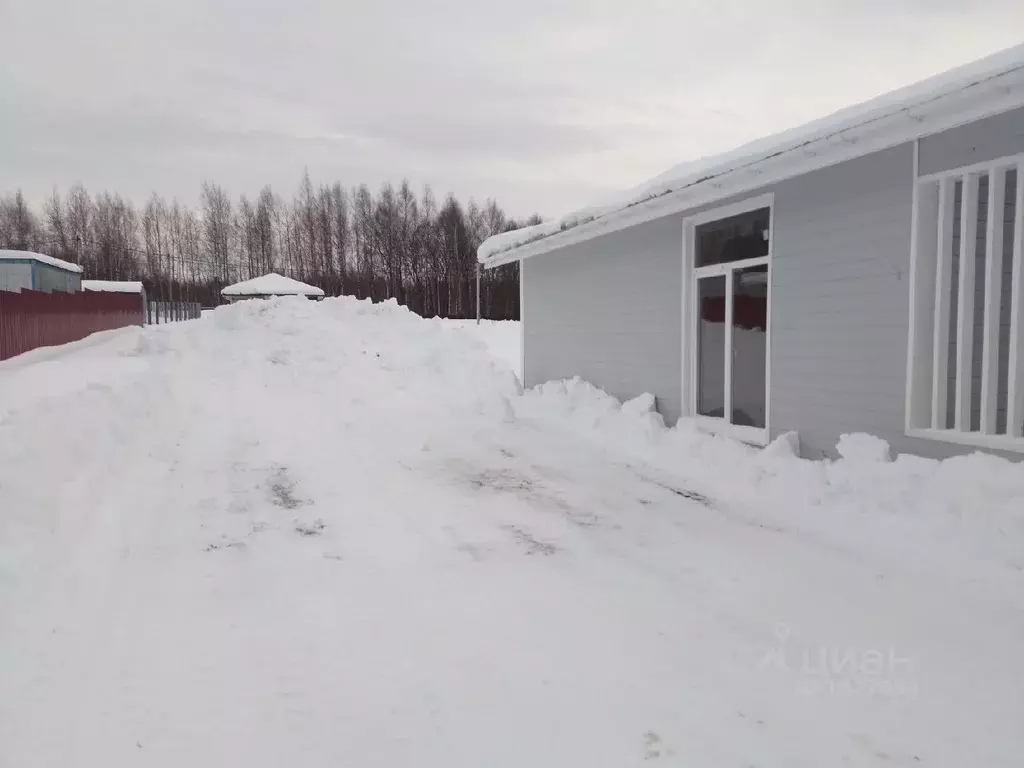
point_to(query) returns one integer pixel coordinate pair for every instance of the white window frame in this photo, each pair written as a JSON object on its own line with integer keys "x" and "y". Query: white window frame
{"x": 928, "y": 365}
{"x": 691, "y": 276}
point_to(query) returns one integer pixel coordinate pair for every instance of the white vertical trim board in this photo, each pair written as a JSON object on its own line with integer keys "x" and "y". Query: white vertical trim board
{"x": 914, "y": 356}
{"x": 730, "y": 283}
{"x": 928, "y": 345}
{"x": 920, "y": 334}
{"x": 686, "y": 342}
{"x": 522, "y": 323}
{"x": 1015, "y": 385}
{"x": 993, "y": 294}
{"x": 943, "y": 273}
{"x": 690, "y": 405}
{"x": 965, "y": 302}
{"x": 768, "y": 341}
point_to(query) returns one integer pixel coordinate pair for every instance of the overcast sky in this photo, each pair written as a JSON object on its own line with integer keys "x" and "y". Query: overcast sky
{"x": 542, "y": 104}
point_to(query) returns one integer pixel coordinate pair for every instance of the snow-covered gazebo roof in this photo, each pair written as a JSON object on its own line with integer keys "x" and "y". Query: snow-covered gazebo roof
{"x": 271, "y": 284}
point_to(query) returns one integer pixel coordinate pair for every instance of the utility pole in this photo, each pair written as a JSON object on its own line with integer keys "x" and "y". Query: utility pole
{"x": 478, "y": 293}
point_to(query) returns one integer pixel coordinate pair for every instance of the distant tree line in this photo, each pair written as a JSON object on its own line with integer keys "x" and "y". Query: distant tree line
{"x": 392, "y": 244}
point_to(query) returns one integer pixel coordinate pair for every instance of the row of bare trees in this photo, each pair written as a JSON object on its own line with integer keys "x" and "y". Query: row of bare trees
{"x": 392, "y": 244}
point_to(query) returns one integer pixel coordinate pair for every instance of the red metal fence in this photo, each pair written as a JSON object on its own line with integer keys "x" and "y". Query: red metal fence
{"x": 31, "y": 319}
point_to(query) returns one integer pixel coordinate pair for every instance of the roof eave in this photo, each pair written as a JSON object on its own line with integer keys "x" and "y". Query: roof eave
{"x": 976, "y": 102}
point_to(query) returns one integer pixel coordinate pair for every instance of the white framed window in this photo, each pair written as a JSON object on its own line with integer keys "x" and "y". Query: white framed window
{"x": 726, "y": 310}
{"x": 965, "y": 356}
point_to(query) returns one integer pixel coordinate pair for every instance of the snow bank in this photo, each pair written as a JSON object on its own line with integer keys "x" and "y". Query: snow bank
{"x": 405, "y": 353}
{"x": 863, "y": 448}
{"x": 966, "y": 511}
{"x": 334, "y": 533}
{"x": 501, "y": 338}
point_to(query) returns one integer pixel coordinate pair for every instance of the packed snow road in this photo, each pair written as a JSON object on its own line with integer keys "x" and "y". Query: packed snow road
{"x": 335, "y": 534}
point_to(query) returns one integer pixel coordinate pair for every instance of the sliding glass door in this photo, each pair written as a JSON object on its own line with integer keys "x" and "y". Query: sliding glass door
{"x": 730, "y": 261}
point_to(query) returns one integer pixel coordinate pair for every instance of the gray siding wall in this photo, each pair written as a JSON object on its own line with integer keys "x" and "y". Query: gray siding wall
{"x": 840, "y": 301}
{"x": 15, "y": 277}
{"x": 50, "y": 279}
{"x": 976, "y": 142}
{"x": 609, "y": 309}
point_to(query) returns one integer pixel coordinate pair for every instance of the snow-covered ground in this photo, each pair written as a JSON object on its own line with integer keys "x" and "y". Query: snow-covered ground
{"x": 501, "y": 337}
{"x": 331, "y": 534}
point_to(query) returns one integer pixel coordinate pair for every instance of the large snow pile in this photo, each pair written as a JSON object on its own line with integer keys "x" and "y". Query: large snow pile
{"x": 502, "y": 338}
{"x": 336, "y": 534}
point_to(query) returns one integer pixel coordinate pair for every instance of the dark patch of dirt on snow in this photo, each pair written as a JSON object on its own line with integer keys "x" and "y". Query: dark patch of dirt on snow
{"x": 311, "y": 529}
{"x": 533, "y": 545}
{"x": 282, "y": 490}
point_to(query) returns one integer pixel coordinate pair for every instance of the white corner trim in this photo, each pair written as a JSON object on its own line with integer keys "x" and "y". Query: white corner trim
{"x": 976, "y": 439}
{"x": 684, "y": 309}
{"x": 908, "y": 403}
{"x": 522, "y": 325}
{"x": 1015, "y": 379}
{"x": 768, "y": 330}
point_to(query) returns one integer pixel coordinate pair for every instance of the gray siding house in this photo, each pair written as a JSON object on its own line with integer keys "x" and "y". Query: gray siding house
{"x": 28, "y": 271}
{"x": 863, "y": 273}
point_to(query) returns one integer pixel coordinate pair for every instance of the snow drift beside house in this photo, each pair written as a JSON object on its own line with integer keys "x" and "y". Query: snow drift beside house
{"x": 965, "y": 512}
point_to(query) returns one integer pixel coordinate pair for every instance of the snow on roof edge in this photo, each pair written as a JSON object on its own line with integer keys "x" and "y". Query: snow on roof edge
{"x": 113, "y": 286}
{"x": 499, "y": 249}
{"x": 42, "y": 258}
